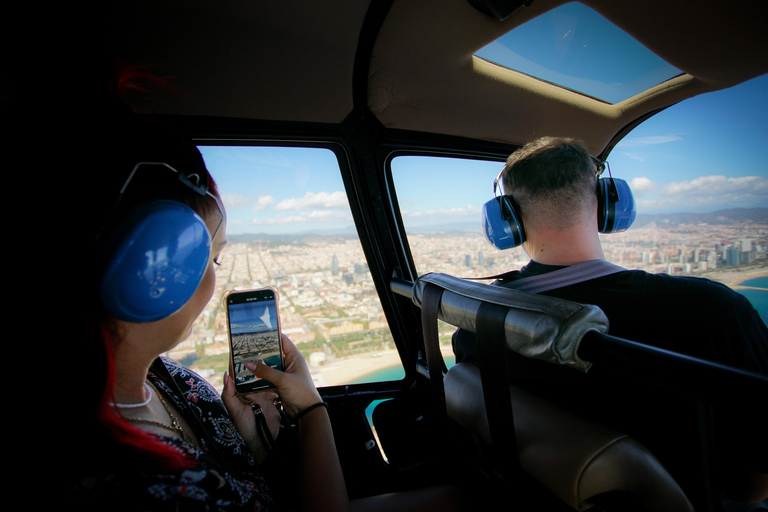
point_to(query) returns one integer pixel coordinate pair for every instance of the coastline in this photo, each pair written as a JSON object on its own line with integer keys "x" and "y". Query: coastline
{"x": 346, "y": 370}
{"x": 734, "y": 278}
{"x": 343, "y": 371}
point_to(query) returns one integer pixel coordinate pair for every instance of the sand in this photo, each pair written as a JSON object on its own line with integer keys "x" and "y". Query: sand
{"x": 734, "y": 278}
{"x": 346, "y": 370}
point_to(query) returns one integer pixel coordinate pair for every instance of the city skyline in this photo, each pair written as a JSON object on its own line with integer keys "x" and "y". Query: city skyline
{"x": 323, "y": 300}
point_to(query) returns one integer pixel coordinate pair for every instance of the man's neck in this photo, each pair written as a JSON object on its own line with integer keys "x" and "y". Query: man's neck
{"x": 564, "y": 248}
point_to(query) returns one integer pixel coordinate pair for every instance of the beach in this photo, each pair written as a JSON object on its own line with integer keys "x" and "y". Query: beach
{"x": 346, "y": 370}
{"x": 349, "y": 369}
{"x": 734, "y": 277}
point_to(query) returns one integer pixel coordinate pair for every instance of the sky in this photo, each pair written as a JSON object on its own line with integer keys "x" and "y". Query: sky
{"x": 704, "y": 154}
{"x": 278, "y": 190}
{"x": 576, "y": 47}
{"x": 252, "y": 317}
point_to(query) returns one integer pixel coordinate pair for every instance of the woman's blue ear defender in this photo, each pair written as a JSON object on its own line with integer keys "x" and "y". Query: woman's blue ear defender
{"x": 154, "y": 259}
{"x": 616, "y": 211}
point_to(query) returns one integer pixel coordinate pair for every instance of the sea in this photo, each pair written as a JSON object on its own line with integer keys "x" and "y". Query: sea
{"x": 758, "y": 298}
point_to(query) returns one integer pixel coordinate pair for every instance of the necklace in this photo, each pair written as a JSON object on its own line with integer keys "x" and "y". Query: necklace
{"x": 175, "y": 426}
{"x": 137, "y": 405}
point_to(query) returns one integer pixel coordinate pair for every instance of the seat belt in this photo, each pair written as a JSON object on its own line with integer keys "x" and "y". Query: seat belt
{"x": 494, "y": 377}
{"x": 559, "y": 278}
{"x": 435, "y": 362}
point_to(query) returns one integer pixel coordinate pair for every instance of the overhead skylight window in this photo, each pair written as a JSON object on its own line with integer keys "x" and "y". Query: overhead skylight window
{"x": 575, "y": 47}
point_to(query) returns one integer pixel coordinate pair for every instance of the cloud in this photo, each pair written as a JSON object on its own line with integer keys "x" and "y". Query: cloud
{"x": 703, "y": 192}
{"x": 263, "y": 202}
{"x": 641, "y": 186}
{"x": 312, "y": 201}
{"x": 718, "y": 186}
{"x": 651, "y": 140}
{"x": 232, "y": 201}
{"x": 643, "y": 142}
{"x": 635, "y": 156}
{"x": 443, "y": 212}
{"x": 314, "y": 216}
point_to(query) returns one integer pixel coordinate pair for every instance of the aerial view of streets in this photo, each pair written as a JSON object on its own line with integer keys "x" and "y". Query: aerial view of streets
{"x": 261, "y": 346}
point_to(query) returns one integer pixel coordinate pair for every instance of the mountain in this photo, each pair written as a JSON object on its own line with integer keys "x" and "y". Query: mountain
{"x": 730, "y": 216}
{"x": 286, "y": 238}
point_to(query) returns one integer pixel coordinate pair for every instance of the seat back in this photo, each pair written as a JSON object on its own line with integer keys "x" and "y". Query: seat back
{"x": 575, "y": 458}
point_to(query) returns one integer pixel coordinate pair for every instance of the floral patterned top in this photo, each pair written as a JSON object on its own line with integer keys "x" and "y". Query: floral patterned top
{"x": 224, "y": 475}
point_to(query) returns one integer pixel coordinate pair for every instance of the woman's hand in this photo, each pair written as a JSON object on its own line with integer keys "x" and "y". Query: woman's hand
{"x": 322, "y": 485}
{"x": 243, "y": 417}
{"x": 294, "y": 384}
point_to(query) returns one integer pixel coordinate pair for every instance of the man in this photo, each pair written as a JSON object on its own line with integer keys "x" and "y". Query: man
{"x": 553, "y": 182}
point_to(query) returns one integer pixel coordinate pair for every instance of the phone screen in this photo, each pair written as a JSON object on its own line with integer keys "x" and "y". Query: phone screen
{"x": 254, "y": 335}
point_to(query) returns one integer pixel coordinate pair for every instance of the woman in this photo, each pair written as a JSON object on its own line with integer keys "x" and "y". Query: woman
{"x": 144, "y": 433}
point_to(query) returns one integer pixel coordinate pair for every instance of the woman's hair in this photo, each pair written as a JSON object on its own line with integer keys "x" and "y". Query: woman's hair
{"x": 98, "y": 438}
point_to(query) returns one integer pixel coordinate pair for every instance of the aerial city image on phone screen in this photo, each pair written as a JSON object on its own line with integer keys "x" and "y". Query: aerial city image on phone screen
{"x": 254, "y": 328}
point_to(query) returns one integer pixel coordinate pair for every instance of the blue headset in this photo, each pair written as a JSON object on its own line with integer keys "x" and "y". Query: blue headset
{"x": 503, "y": 227}
{"x": 155, "y": 256}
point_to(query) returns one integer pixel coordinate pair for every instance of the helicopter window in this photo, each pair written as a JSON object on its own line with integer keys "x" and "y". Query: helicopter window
{"x": 444, "y": 227}
{"x": 575, "y": 47}
{"x": 697, "y": 174}
{"x": 289, "y": 225}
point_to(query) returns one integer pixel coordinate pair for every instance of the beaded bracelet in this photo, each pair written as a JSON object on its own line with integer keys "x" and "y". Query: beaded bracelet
{"x": 308, "y": 409}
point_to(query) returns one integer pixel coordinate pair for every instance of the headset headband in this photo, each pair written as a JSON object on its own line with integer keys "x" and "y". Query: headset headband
{"x": 200, "y": 187}
{"x": 503, "y": 226}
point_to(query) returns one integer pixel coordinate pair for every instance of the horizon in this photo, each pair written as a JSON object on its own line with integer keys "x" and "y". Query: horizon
{"x": 349, "y": 230}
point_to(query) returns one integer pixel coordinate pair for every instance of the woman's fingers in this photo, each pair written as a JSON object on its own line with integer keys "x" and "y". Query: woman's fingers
{"x": 294, "y": 384}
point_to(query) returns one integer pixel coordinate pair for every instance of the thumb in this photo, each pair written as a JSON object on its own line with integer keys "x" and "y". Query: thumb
{"x": 228, "y": 394}
{"x": 263, "y": 371}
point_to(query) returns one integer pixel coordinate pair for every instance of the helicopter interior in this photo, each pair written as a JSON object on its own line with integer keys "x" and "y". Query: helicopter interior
{"x": 372, "y": 84}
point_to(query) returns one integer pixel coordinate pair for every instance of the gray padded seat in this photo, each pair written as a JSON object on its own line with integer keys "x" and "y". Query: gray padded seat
{"x": 575, "y": 458}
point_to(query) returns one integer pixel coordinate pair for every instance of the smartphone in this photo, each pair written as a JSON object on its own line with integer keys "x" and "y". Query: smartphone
{"x": 253, "y": 325}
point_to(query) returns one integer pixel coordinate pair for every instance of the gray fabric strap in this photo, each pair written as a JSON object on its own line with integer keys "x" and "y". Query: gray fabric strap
{"x": 564, "y": 276}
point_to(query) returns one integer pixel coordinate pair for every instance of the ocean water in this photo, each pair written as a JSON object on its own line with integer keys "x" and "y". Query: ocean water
{"x": 760, "y": 282}
{"x": 758, "y": 298}
{"x": 391, "y": 373}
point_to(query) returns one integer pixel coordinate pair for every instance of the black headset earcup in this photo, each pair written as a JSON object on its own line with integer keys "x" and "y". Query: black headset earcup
{"x": 514, "y": 219}
{"x": 602, "y": 204}
{"x": 616, "y": 209}
{"x": 154, "y": 262}
{"x": 502, "y": 224}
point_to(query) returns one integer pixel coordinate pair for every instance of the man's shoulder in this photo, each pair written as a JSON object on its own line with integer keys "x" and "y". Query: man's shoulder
{"x": 683, "y": 298}
{"x": 670, "y": 282}
{"x": 638, "y": 293}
